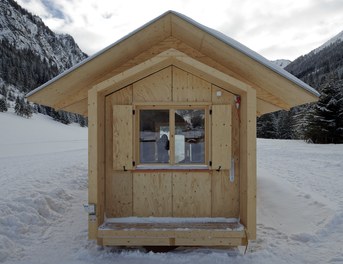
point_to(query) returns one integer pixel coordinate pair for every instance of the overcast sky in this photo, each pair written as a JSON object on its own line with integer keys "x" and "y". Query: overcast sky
{"x": 277, "y": 29}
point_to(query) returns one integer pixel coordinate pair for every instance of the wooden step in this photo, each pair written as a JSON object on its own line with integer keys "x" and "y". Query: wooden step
{"x": 178, "y": 233}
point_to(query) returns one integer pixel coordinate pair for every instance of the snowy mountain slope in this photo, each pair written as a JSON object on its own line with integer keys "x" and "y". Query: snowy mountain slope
{"x": 300, "y": 202}
{"x": 338, "y": 37}
{"x": 281, "y": 62}
{"x": 27, "y": 32}
{"x": 31, "y": 54}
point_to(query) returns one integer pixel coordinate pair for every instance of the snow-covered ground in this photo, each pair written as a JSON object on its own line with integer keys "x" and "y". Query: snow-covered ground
{"x": 43, "y": 184}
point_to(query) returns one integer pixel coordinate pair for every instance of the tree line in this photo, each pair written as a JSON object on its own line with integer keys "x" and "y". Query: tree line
{"x": 320, "y": 122}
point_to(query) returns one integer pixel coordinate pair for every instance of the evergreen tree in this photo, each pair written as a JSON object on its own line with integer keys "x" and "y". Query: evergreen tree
{"x": 19, "y": 106}
{"x": 300, "y": 120}
{"x": 3, "y": 91}
{"x": 3, "y": 105}
{"x": 22, "y": 108}
{"x": 62, "y": 116}
{"x": 27, "y": 111}
{"x": 285, "y": 125}
{"x": 82, "y": 121}
{"x": 325, "y": 123}
{"x": 266, "y": 127}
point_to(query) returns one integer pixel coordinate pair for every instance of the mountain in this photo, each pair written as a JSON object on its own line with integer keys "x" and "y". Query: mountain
{"x": 314, "y": 67}
{"x": 30, "y": 53}
{"x": 320, "y": 122}
{"x": 281, "y": 62}
{"x": 338, "y": 37}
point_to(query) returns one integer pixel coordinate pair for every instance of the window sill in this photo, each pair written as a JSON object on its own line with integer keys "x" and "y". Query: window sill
{"x": 172, "y": 167}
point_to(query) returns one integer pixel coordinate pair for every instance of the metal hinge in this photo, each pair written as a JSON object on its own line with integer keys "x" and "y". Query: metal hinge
{"x": 133, "y": 163}
{"x": 210, "y": 111}
{"x": 133, "y": 112}
{"x": 210, "y": 163}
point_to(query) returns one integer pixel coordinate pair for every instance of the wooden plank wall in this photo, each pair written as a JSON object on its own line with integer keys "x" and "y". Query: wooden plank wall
{"x": 154, "y": 88}
{"x": 152, "y": 194}
{"x": 187, "y": 87}
{"x": 179, "y": 194}
{"x": 191, "y": 194}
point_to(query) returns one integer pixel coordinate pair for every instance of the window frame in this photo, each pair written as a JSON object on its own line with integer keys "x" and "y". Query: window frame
{"x": 172, "y": 108}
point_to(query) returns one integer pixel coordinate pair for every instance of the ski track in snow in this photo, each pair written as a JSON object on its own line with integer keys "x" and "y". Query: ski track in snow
{"x": 299, "y": 214}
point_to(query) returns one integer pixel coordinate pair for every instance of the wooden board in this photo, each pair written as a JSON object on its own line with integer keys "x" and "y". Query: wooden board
{"x": 96, "y": 161}
{"x": 119, "y": 194}
{"x": 191, "y": 194}
{"x": 188, "y": 227}
{"x": 221, "y": 137}
{"x": 248, "y": 163}
{"x": 205, "y": 241}
{"x": 122, "y": 137}
{"x": 152, "y": 194}
{"x": 154, "y": 88}
{"x": 187, "y": 87}
{"x": 263, "y": 107}
{"x": 182, "y": 234}
{"x": 225, "y": 195}
{"x": 92, "y": 162}
{"x": 114, "y": 204}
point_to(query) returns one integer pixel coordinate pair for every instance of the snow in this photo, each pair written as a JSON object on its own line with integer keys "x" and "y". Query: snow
{"x": 43, "y": 185}
{"x": 281, "y": 63}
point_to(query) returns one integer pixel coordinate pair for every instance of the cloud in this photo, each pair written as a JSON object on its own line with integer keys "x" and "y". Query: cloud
{"x": 53, "y": 9}
{"x": 276, "y": 29}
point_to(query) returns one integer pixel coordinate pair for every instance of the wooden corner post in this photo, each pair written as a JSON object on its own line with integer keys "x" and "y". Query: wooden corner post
{"x": 248, "y": 162}
{"x": 96, "y": 155}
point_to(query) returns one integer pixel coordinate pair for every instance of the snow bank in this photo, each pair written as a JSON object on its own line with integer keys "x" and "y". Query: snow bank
{"x": 36, "y": 156}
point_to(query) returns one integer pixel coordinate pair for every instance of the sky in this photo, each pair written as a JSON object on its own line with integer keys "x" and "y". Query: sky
{"x": 277, "y": 29}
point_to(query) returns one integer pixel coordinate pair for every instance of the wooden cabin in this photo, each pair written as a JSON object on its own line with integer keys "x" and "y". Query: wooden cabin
{"x": 172, "y": 133}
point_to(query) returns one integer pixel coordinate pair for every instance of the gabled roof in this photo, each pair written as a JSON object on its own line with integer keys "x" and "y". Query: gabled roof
{"x": 275, "y": 86}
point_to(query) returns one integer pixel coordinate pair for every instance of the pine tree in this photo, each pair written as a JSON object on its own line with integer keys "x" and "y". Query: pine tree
{"x": 62, "y": 117}
{"x": 18, "y": 108}
{"x": 3, "y": 105}
{"x": 27, "y": 110}
{"x": 22, "y": 108}
{"x": 266, "y": 127}
{"x": 3, "y": 91}
{"x": 82, "y": 121}
{"x": 325, "y": 124}
{"x": 284, "y": 124}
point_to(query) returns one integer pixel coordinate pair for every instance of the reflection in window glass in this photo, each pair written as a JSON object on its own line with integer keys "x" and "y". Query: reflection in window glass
{"x": 190, "y": 136}
{"x": 154, "y": 136}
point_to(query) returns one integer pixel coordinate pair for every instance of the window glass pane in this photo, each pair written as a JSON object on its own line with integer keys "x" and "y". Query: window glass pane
{"x": 154, "y": 136}
{"x": 190, "y": 136}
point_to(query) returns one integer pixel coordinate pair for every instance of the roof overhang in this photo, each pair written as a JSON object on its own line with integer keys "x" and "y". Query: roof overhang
{"x": 190, "y": 44}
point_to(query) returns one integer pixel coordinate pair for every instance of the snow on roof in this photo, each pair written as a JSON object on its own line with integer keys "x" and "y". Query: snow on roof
{"x": 218, "y": 35}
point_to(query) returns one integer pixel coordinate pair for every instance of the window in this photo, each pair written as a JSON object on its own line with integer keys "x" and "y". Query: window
{"x": 189, "y": 136}
{"x": 174, "y": 136}
{"x": 154, "y": 136}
